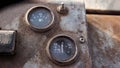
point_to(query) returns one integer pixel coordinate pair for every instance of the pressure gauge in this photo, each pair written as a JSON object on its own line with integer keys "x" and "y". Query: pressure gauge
{"x": 40, "y": 18}
{"x": 62, "y": 49}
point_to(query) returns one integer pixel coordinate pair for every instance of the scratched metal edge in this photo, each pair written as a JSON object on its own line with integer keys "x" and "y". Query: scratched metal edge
{"x": 103, "y": 12}
{"x": 12, "y": 50}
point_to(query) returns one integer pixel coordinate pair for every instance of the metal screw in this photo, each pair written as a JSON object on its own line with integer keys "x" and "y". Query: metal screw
{"x": 82, "y": 40}
{"x": 62, "y": 9}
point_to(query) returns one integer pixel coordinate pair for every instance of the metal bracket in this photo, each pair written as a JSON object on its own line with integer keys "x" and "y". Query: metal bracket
{"x": 7, "y": 42}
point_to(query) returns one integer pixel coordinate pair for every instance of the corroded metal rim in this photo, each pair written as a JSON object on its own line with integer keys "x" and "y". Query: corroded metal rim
{"x": 69, "y": 61}
{"x": 40, "y": 29}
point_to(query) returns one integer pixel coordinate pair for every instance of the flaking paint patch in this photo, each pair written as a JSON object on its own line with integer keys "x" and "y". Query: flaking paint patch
{"x": 84, "y": 49}
{"x": 79, "y": 65}
{"x": 102, "y": 57}
{"x": 72, "y": 22}
{"x": 31, "y": 65}
{"x": 105, "y": 37}
{"x": 14, "y": 24}
{"x": 103, "y": 4}
{"x": 36, "y": 62}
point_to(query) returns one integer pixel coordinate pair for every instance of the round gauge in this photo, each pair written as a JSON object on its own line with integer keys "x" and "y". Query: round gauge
{"x": 40, "y": 18}
{"x": 62, "y": 49}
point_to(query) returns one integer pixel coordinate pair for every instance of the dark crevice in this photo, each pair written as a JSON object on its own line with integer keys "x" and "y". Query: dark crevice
{"x": 102, "y": 12}
{"x": 5, "y": 3}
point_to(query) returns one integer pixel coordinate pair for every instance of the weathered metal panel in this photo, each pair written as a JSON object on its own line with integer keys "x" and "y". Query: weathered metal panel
{"x": 104, "y": 40}
{"x": 31, "y": 45}
{"x": 111, "y": 5}
{"x": 7, "y": 42}
{"x": 103, "y": 4}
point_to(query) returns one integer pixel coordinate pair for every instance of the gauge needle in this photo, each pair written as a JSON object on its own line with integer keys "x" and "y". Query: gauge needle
{"x": 62, "y": 47}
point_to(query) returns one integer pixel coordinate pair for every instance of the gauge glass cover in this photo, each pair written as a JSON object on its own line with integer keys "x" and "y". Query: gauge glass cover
{"x": 62, "y": 48}
{"x": 40, "y": 17}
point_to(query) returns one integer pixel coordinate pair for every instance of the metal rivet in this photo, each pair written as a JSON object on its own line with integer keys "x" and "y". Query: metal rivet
{"x": 82, "y": 40}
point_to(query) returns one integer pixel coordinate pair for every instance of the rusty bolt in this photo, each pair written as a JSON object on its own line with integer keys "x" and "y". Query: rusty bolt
{"x": 82, "y": 40}
{"x": 62, "y": 9}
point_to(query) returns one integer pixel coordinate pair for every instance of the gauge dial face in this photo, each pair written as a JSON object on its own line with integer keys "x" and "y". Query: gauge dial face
{"x": 62, "y": 48}
{"x": 40, "y": 17}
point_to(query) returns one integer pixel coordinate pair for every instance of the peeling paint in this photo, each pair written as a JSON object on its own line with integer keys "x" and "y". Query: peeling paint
{"x": 36, "y": 62}
{"x": 13, "y": 25}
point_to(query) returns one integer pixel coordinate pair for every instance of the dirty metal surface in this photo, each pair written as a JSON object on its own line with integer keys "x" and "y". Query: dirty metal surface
{"x": 7, "y": 42}
{"x": 104, "y": 40}
{"x": 103, "y": 5}
{"x": 31, "y": 45}
{"x": 109, "y": 5}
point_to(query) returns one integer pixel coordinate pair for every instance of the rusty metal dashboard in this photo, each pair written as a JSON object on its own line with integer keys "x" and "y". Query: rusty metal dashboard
{"x": 50, "y": 34}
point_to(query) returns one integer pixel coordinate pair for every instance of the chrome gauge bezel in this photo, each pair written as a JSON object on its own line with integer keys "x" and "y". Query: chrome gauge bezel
{"x": 69, "y": 61}
{"x": 40, "y": 29}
